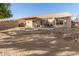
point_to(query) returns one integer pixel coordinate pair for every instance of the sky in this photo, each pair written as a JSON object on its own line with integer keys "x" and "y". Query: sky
{"x": 20, "y": 10}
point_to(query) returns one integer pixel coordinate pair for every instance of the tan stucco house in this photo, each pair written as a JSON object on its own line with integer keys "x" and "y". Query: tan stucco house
{"x": 51, "y": 20}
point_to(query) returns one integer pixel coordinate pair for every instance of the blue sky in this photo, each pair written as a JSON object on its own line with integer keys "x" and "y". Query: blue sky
{"x": 20, "y": 10}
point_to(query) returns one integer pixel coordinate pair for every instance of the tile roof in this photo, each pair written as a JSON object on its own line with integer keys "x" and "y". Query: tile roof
{"x": 57, "y": 15}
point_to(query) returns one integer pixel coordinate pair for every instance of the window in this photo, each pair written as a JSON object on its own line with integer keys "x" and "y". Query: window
{"x": 59, "y": 21}
{"x": 21, "y": 25}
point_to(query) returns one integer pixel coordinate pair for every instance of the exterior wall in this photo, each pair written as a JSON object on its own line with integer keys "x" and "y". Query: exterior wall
{"x": 34, "y": 23}
{"x": 77, "y": 25}
{"x": 20, "y": 21}
{"x": 51, "y": 21}
{"x": 68, "y": 21}
{"x": 28, "y": 24}
{"x": 57, "y": 21}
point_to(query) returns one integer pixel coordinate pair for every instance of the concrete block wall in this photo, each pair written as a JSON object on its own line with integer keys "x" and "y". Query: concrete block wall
{"x": 7, "y": 24}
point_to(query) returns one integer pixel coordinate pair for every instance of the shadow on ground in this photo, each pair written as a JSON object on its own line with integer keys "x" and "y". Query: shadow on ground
{"x": 38, "y": 44}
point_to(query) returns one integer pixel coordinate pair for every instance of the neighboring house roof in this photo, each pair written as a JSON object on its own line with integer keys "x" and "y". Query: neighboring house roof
{"x": 57, "y": 15}
{"x": 2, "y": 20}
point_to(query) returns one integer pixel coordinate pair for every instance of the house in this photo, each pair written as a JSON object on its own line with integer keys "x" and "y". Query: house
{"x": 29, "y": 22}
{"x": 51, "y": 20}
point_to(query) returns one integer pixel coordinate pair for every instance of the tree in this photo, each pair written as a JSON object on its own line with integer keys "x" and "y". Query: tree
{"x": 5, "y": 11}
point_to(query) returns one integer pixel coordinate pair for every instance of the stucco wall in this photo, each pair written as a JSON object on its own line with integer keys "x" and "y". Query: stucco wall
{"x": 28, "y": 24}
{"x": 68, "y": 22}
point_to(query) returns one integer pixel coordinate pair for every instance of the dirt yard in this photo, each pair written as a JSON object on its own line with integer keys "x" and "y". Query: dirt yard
{"x": 36, "y": 45}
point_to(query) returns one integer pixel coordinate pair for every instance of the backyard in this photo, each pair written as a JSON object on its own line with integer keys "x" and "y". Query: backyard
{"x": 44, "y": 44}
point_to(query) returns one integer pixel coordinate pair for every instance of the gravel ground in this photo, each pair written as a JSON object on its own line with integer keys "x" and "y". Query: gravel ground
{"x": 36, "y": 45}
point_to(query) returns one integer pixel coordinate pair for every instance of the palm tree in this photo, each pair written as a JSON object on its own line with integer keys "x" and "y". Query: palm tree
{"x": 5, "y": 11}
